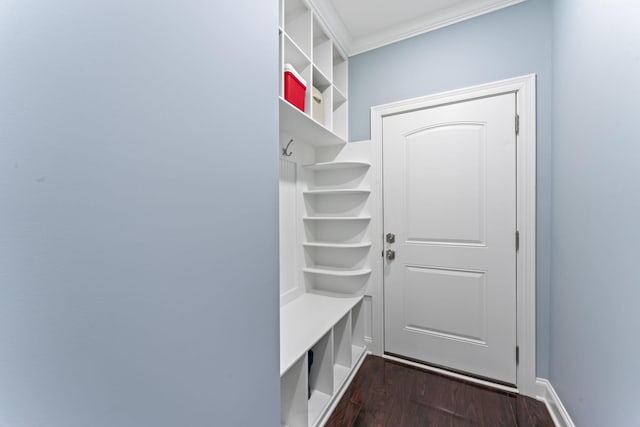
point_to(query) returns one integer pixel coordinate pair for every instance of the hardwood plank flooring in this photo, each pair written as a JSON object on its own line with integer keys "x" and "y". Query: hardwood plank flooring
{"x": 385, "y": 393}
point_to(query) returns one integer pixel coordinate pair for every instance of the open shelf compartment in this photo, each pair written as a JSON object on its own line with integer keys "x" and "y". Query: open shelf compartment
{"x": 297, "y": 24}
{"x": 321, "y": 377}
{"x": 322, "y": 50}
{"x": 293, "y": 395}
{"x": 340, "y": 71}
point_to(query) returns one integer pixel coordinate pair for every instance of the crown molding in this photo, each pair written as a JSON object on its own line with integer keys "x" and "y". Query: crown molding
{"x": 332, "y": 23}
{"x": 353, "y": 46}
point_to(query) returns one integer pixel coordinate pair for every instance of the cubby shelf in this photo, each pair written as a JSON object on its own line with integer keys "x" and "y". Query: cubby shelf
{"x": 337, "y": 218}
{"x": 335, "y": 245}
{"x": 324, "y": 166}
{"x": 337, "y": 271}
{"x": 336, "y": 191}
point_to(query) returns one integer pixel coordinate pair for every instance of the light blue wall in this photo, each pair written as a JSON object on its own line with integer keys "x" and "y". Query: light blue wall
{"x": 595, "y": 352}
{"x": 138, "y": 213}
{"x": 508, "y": 43}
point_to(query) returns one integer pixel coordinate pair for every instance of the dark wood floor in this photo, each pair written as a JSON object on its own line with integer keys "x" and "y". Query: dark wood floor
{"x": 386, "y": 393}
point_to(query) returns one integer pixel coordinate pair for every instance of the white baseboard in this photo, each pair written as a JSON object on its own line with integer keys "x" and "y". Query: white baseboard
{"x": 547, "y": 394}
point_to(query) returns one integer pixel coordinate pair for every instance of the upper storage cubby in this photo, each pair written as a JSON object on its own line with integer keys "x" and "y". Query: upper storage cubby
{"x": 307, "y": 46}
{"x": 297, "y": 24}
{"x": 340, "y": 72}
{"x": 322, "y": 51}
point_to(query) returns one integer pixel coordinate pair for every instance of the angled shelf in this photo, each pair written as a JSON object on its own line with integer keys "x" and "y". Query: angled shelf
{"x": 335, "y": 245}
{"x": 335, "y": 191}
{"x": 337, "y": 271}
{"x": 335, "y": 165}
{"x": 337, "y": 218}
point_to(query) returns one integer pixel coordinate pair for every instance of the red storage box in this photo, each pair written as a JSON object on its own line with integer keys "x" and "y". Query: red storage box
{"x": 295, "y": 87}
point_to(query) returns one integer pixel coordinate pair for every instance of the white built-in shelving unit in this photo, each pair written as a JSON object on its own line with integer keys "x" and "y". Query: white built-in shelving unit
{"x": 332, "y": 220}
{"x": 325, "y": 218}
{"x": 306, "y": 45}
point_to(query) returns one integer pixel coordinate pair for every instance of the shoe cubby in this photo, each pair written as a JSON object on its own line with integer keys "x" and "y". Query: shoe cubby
{"x": 309, "y": 386}
{"x": 294, "y": 409}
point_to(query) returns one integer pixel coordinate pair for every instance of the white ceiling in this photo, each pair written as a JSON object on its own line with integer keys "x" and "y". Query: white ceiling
{"x": 361, "y": 25}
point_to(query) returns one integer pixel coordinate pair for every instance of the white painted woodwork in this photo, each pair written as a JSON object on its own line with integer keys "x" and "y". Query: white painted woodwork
{"x": 325, "y": 242}
{"x": 450, "y": 199}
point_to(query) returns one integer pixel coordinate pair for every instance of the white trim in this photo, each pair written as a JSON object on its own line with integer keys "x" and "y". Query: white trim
{"x": 452, "y": 374}
{"x": 547, "y": 394}
{"x": 353, "y": 46}
{"x": 525, "y": 88}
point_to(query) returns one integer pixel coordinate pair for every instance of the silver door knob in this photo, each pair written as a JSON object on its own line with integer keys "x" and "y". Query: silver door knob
{"x": 391, "y": 254}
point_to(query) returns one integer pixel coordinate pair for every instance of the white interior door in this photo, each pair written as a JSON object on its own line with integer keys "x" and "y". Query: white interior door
{"x": 450, "y": 200}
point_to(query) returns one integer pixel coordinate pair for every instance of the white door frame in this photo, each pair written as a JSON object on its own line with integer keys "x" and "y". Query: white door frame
{"x": 525, "y": 88}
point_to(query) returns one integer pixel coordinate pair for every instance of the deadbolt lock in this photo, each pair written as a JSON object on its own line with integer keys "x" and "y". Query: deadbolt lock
{"x": 391, "y": 254}
{"x": 391, "y": 238}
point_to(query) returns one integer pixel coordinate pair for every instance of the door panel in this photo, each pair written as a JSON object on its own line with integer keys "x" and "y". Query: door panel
{"x": 448, "y": 153}
{"x": 446, "y": 303}
{"x": 450, "y": 199}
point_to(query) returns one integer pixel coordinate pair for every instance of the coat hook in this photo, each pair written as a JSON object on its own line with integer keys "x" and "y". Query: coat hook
{"x": 285, "y": 150}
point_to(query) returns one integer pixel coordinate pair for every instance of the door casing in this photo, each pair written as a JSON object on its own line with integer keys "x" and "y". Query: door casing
{"x": 525, "y": 89}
